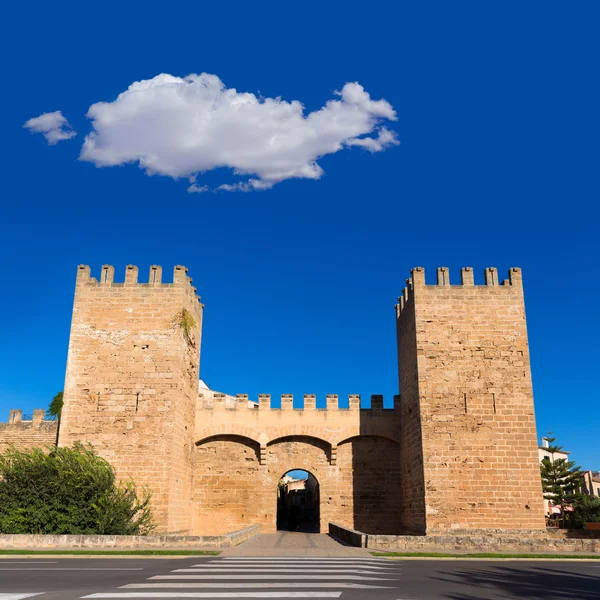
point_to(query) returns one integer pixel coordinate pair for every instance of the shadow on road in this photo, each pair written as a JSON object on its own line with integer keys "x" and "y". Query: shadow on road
{"x": 529, "y": 582}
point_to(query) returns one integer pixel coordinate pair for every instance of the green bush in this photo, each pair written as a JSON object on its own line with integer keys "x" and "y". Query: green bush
{"x": 68, "y": 491}
{"x": 587, "y": 510}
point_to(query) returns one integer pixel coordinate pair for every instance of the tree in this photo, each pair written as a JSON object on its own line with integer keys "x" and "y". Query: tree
{"x": 561, "y": 479}
{"x": 55, "y": 408}
{"x": 68, "y": 491}
{"x": 587, "y": 510}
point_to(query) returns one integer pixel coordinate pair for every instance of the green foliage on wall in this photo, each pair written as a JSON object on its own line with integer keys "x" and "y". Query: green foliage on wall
{"x": 187, "y": 324}
{"x": 68, "y": 491}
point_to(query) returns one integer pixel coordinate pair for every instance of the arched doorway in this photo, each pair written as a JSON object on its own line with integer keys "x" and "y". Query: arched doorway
{"x": 298, "y": 502}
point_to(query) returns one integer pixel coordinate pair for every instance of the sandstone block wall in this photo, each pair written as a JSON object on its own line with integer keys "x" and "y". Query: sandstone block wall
{"x": 24, "y": 435}
{"x": 244, "y": 451}
{"x": 117, "y": 542}
{"x": 131, "y": 382}
{"x": 472, "y": 389}
{"x": 412, "y": 494}
{"x": 534, "y": 541}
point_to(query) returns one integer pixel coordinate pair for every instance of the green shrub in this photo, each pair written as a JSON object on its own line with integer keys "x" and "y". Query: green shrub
{"x": 68, "y": 491}
{"x": 187, "y": 324}
{"x": 587, "y": 510}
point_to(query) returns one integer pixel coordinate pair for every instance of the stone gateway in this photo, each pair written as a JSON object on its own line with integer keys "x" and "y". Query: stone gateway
{"x": 458, "y": 450}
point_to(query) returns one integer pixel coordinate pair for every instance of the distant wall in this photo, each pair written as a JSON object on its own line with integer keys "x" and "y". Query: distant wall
{"x": 26, "y": 434}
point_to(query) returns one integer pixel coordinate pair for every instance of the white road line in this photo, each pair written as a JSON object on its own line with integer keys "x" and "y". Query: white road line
{"x": 291, "y": 570}
{"x": 19, "y": 596}
{"x": 71, "y": 569}
{"x": 219, "y": 595}
{"x": 293, "y": 560}
{"x": 244, "y": 585}
{"x": 7, "y": 561}
{"x": 298, "y": 558}
{"x": 291, "y": 565}
{"x": 321, "y": 558}
{"x": 294, "y": 577}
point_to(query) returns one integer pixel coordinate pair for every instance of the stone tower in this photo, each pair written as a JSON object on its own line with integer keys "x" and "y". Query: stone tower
{"x": 132, "y": 382}
{"x": 468, "y": 437}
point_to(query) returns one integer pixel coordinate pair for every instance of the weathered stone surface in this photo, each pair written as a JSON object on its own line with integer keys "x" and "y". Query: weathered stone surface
{"x": 517, "y": 541}
{"x": 132, "y": 380}
{"x": 469, "y": 444}
{"x": 24, "y": 435}
{"x": 352, "y": 453}
{"x": 139, "y": 542}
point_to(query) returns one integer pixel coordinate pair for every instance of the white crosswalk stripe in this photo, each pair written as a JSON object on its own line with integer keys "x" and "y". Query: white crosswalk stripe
{"x": 18, "y": 596}
{"x": 290, "y": 565}
{"x": 220, "y": 595}
{"x": 267, "y": 576}
{"x": 251, "y": 585}
{"x": 321, "y": 559}
{"x": 320, "y": 570}
{"x": 263, "y": 577}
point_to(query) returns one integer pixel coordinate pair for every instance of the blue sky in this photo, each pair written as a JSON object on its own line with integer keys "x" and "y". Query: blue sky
{"x": 497, "y": 118}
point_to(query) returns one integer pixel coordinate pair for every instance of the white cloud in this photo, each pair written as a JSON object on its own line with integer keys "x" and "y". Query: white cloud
{"x": 384, "y": 138}
{"x": 197, "y": 189}
{"x": 53, "y": 126}
{"x": 246, "y": 186}
{"x": 181, "y": 127}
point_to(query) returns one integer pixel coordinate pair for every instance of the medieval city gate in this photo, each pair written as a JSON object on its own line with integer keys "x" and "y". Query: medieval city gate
{"x": 245, "y": 448}
{"x": 457, "y": 451}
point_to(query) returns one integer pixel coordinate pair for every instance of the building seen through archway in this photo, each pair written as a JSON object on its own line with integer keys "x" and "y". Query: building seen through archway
{"x": 298, "y": 502}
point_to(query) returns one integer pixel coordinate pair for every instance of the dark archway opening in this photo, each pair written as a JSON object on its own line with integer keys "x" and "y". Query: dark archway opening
{"x": 298, "y": 502}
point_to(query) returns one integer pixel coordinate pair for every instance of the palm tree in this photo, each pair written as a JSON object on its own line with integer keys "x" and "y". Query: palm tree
{"x": 55, "y": 410}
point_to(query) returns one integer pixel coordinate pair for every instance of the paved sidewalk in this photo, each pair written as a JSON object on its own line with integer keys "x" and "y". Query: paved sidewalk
{"x": 294, "y": 544}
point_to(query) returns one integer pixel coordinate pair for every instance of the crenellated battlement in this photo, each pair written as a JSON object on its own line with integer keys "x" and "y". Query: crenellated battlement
{"x": 27, "y": 431}
{"x": 107, "y": 278}
{"x": 218, "y": 401}
{"x": 16, "y": 416}
{"x": 467, "y": 281}
{"x": 467, "y": 405}
{"x": 274, "y": 420}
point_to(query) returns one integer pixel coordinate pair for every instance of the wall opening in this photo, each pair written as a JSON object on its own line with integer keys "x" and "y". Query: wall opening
{"x": 298, "y": 502}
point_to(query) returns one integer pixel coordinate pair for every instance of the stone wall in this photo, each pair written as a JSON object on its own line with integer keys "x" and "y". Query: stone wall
{"x": 132, "y": 379}
{"x": 24, "y": 435}
{"x": 129, "y": 542}
{"x": 478, "y": 437}
{"x": 412, "y": 495}
{"x": 243, "y": 453}
{"x": 474, "y": 541}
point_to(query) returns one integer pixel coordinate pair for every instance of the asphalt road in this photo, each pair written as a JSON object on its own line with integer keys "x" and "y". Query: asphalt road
{"x": 285, "y": 577}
